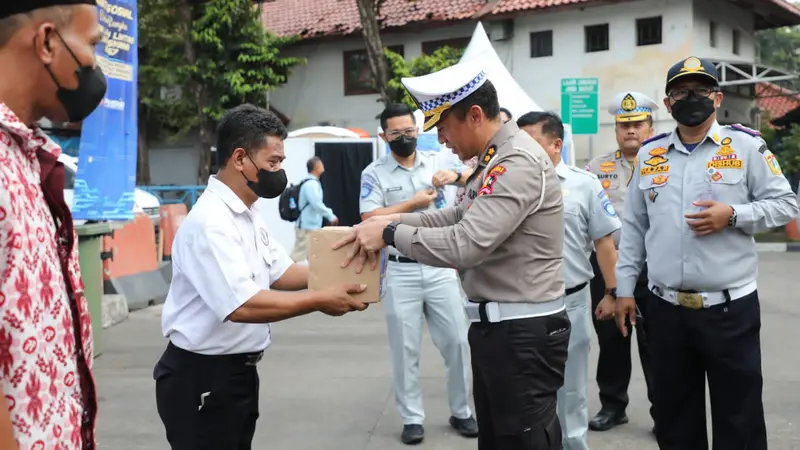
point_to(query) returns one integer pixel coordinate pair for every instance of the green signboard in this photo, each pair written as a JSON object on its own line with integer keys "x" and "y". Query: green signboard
{"x": 579, "y": 104}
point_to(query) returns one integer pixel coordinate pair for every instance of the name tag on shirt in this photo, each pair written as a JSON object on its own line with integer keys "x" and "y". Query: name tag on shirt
{"x": 394, "y": 189}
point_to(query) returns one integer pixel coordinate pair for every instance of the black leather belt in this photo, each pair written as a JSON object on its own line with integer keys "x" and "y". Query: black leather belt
{"x": 577, "y": 288}
{"x": 246, "y": 359}
{"x": 401, "y": 259}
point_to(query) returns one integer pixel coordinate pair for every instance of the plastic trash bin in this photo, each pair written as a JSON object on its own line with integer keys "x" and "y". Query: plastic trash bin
{"x": 90, "y": 248}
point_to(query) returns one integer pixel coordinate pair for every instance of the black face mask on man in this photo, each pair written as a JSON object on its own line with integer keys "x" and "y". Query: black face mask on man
{"x": 81, "y": 101}
{"x": 270, "y": 184}
{"x": 403, "y": 146}
{"x": 693, "y": 110}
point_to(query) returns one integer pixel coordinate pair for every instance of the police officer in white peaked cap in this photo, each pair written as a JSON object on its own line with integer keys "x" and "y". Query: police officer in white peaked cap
{"x": 400, "y": 182}
{"x": 697, "y": 196}
{"x": 633, "y": 114}
{"x": 589, "y": 218}
{"x": 507, "y": 241}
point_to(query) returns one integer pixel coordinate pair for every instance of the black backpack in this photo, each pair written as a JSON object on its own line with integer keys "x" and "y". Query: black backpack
{"x": 289, "y": 203}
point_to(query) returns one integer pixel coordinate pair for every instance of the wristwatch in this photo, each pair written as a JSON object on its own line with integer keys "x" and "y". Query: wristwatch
{"x": 458, "y": 176}
{"x": 612, "y": 292}
{"x": 732, "y": 218}
{"x": 388, "y": 233}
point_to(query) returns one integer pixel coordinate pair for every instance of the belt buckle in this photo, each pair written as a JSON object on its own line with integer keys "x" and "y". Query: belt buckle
{"x": 690, "y": 301}
{"x": 252, "y": 360}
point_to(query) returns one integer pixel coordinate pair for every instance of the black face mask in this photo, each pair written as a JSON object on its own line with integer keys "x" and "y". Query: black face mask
{"x": 81, "y": 101}
{"x": 692, "y": 111}
{"x": 403, "y": 146}
{"x": 269, "y": 184}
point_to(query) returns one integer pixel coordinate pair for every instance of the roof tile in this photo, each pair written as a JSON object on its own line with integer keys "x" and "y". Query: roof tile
{"x": 776, "y": 100}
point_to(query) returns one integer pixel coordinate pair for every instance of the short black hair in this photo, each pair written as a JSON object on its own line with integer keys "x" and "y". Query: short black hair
{"x": 59, "y": 15}
{"x": 551, "y": 123}
{"x": 508, "y": 113}
{"x": 393, "y": 110}
{"x": 246, "y": 126}
{"x": 311, "y": 164}
{"x": 485, "y": 97}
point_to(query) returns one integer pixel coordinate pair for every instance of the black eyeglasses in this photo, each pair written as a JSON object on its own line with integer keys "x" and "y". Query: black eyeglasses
{"x": 699, "y": 92}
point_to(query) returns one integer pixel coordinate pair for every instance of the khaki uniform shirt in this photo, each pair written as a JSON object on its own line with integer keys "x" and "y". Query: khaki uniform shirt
{"x": 731, "y": 165}
{"x": 507, "y": 238}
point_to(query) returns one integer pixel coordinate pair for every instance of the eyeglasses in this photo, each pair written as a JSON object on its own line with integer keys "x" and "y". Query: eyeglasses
{"x": 699, "y": 92}
{"x": 394, "y": 134}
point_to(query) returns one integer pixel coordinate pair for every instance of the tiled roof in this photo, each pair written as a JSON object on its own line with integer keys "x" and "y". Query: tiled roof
{"x": 317, "y": 18}
{"x": 775, "y": 100}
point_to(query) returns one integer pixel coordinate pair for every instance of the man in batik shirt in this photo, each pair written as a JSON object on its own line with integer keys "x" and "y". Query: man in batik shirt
{"x": 48, "y": 70}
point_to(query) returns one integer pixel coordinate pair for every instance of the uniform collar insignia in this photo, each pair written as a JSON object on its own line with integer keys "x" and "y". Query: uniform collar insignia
{"x": 618, "y": 154}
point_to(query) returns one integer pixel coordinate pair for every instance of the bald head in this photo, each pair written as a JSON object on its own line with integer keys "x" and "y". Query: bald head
{"x": 47, "y": 48}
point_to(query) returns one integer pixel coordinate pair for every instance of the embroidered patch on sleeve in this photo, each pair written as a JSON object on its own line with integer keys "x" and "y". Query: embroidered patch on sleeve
{"x": 367, "y": 185}
{"x": 491, "y": 178}
{"x": 773, "y": 164}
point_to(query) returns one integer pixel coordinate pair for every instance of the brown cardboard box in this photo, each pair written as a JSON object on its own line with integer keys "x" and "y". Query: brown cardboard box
{"x": 325, "y": 265}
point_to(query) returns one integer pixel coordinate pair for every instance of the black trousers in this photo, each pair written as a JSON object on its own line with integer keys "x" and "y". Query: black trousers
{"x": 517, "y": 369}
{"x": 723, "y": 344}
{"x": 614, "y": 363}
{"x": 207, "y": 402}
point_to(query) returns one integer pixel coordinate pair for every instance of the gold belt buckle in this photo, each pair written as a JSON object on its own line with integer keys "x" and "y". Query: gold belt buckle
{"x": 690, "y": 301}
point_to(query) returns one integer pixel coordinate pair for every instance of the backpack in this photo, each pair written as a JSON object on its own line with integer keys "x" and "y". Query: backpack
{"x": 289, "y": 203}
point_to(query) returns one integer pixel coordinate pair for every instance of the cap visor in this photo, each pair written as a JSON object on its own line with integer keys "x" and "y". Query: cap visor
{"x": 634, "y": 117}
{"x": 430, "y": 123}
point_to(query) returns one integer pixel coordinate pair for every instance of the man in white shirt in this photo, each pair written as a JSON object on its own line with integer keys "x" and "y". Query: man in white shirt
{"x": 227, "y": 285}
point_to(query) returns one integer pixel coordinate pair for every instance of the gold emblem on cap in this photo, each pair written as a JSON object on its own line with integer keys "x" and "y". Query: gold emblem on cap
{"x": 692, "y": 65}
{"x": 432, "y": 116}
{"x": 629, "y": 103}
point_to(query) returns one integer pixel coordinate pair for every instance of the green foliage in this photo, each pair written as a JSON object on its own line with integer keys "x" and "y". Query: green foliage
{"x": 235, "y": 61}
{"x": 779, "y": 47}
{"x": 789, "y": 156}
{"x": 162, "y": 65}
{"x": 422, "y": 65}
{"x": 238, "y": 61}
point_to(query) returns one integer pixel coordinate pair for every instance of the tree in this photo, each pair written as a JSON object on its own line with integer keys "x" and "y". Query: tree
{"x": 215, "y": 54}
{"x": 370, "y": 29}
{"x": 779, "y": 47}
{"x": 422, "y": 65}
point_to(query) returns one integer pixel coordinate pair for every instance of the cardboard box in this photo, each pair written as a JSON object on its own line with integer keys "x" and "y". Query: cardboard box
{"x": 325, "y": 265}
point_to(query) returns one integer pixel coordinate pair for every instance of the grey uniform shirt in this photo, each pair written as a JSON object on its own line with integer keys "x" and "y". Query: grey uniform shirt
{"x": 731, "y": 165}
{"x": 506, "y": 238}
{"x": 588, "y": 216}
{"x": 614, "y": 172}
{"x": 386, "y": 183}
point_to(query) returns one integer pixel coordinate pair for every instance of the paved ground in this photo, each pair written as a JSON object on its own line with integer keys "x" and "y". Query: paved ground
{"x": 326, "y": 382}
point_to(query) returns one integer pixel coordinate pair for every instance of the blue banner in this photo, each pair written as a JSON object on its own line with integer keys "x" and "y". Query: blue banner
{"x": 106, "y": 178}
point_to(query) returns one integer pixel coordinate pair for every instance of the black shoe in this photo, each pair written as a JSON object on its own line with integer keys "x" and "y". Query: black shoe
{"x": 412, "y": 434}
{"x": 606, "y": 420}
{"x": 466, "y": 427}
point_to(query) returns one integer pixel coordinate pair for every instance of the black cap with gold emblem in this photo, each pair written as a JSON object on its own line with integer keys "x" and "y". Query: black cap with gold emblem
{"x": 694, "y": 67}
{"x": 12, "y": 7}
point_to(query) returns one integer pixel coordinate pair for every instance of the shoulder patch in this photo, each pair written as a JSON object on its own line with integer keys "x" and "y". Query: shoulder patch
{"x": 744, "y": 129}
{"x": 654, "y": 138}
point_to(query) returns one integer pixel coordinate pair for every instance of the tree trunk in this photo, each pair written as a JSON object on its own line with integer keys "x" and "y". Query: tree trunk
{"x": 143, "y": 150}
{"x": 370, "y": 29}
{"x": 197, "y": 90}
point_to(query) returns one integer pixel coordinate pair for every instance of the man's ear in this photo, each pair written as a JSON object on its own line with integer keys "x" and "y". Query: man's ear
{"x": 383, "y": 136}
{"x": 652, "y": 131}
{"x": 666, "y": 104}
{"x": 237, "y": 158}
{"x": 718, "y": 99}
{"x": 559, "y": 144}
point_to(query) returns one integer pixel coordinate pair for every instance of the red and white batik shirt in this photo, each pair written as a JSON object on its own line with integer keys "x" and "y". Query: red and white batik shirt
{"x": 45, "y": 328}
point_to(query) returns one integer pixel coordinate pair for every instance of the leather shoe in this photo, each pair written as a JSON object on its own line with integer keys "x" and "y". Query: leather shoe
{"x": 466, "y": 427}
{"x": 606, "y": 420}
{"x": 412, "y": 434}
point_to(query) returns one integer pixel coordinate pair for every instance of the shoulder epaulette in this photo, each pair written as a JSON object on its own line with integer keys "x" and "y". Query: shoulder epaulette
{"x": 655, "y": 138}
{"x": 744, "y": 129}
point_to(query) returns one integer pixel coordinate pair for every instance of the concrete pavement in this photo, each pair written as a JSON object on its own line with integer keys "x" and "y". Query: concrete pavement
{"x": 326, "y": 382}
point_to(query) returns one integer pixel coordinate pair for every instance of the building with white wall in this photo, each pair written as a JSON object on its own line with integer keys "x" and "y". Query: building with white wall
{"x": 626, "y": 44}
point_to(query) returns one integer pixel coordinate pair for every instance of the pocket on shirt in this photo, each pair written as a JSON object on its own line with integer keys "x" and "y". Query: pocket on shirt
{"x": 726, "y": 185}
{"x": 656, "y": 189}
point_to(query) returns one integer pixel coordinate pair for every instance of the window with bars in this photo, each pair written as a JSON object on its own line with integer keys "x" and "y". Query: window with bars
{"x": 596, "y": 38}
{"x": 358, "y": 79}
{"x": 712, "y": 34}
{"x": 541, "y": 44}
{"x": 648, "y": 31}
{"x": 431, "y": 46}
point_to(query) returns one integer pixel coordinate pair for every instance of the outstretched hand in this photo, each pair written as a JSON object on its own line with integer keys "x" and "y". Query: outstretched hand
{"x": 366, "y": 239}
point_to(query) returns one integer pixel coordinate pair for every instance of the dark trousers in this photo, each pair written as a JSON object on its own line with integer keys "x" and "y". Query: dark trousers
{"x": 517, "y": 368}
{"x": 722, "y": 343}
{"x": 614, "y": 363}
{"x": 207, "y": 402}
